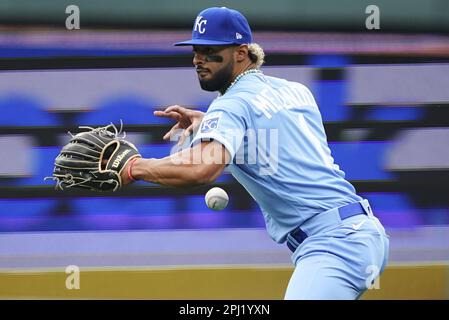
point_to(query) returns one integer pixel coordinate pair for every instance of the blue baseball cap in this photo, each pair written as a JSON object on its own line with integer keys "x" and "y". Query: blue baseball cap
{"x": 219, "y": 26}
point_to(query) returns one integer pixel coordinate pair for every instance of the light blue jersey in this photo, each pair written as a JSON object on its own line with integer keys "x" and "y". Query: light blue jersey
{"x": 273, "y": 130}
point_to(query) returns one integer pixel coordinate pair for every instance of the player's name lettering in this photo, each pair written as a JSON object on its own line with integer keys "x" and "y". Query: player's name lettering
{"x": 191, "y": 310}
{"x": 119, "y": 158}
{"x": 270, "y": 101}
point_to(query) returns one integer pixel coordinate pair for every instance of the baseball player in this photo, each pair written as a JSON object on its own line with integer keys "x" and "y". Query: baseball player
{"x": 268, "y": 133}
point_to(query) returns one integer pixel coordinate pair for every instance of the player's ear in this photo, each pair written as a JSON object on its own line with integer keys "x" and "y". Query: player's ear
{"x": 241, "y": 52}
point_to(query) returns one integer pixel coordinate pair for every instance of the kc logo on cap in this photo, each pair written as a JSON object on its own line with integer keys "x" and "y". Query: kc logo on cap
{"x": 200, "y": 25}
{"x": 219, "y": 26}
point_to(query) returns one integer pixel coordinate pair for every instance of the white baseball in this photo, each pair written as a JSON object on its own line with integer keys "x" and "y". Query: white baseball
{"x": 217, "y": 198}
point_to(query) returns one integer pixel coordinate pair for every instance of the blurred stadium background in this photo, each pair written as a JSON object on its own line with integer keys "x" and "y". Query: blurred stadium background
{"x": 384, "y": 99}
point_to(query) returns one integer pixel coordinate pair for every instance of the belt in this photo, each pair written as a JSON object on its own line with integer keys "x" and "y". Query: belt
{"x": 324, "y": 220}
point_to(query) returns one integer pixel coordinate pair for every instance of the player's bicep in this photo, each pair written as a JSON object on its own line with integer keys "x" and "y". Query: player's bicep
{"x": 212, "y": 157}
{"x": 225, "y": 127}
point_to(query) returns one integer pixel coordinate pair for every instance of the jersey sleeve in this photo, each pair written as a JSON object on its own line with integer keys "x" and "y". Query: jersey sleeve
{"x": 226, "y": 121}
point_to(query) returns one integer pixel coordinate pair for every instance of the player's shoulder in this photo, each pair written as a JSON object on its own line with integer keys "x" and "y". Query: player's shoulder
{"x": 245, "y": 89}
{"x": 281, "y": 82}
{"x": 234, "y": 103}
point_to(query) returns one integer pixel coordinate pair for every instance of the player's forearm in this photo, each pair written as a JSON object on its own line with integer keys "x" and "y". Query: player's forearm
{"x": 174, "y": 171}
{"x": 162, "y": 171}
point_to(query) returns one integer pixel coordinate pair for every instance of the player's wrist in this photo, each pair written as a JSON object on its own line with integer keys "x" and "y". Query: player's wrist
{"x": 139, "y": 168}
{"x": 129, "y": 171}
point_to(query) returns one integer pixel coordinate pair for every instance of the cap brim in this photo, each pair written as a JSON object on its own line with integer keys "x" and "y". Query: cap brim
{"x": 204, "y": 42}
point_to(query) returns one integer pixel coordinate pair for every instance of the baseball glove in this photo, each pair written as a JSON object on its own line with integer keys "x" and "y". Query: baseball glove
{"x": 94, "y": 160}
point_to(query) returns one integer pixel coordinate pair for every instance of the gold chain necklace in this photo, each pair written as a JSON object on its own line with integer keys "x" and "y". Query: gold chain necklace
{"x": 249, "y": 71}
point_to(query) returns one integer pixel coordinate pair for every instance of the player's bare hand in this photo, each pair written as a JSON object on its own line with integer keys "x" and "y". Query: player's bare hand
{"x": 187, "y": 119}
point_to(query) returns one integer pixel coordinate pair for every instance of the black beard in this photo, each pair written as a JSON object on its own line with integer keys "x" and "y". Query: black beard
{"x": 220, "y": 81}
